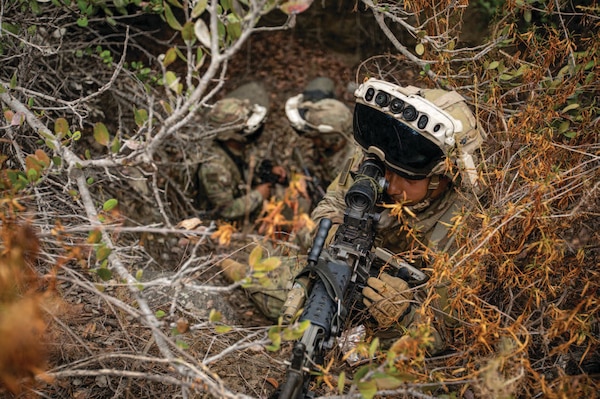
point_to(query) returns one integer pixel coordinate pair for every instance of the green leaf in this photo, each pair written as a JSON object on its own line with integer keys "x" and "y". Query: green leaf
{"x": 160, "y": 313}
{"x": 90, "y": 180}
{"x": 267, "y": 265}
{"x": 295, "y": 331}
{"x": 102, "y": 252}
{"x": 139, "y": 274}
{"x": 373, "y": 347}
{"x": 82, "y": 22}
{"x": 94, "y": 236}
{"x": 367, "y": 389}
{"x": 386, "y": 382}
{"x": 182, "y": 344}
{"x": 172, "y": 81}
{"x": 170, "y": 57}
{"x": 341, "y": 382}
{"x": 272, "y": 348}
{"x": 493, "y": 65}
{"x": 171, "y": 20}
{"x": 115, "y": 145}
{"x": 275, "y": 341}
{"x": 223, "y": 329}
{"x": 175, "y": 3}
{"x": 199, "y": 57}
{"x": 199, "y": 8}
{"x": 362, "y": 371}
{"x": 187, "y": 33}
{"x": 570, "y": 107}
{"x": 214, "y": 316}
{"x": 33, "y": 175}
{"x": 14, "y": 29}
{"x": 255, "y": 256}
{"x": 141, "y": 117}
{"x": 564, "y": 126}
{"x": 101, "y": 134}
{"x": 110, "y": 204}
{"x": 234, "y": 29}
{"x": 61, "y": 127}
{"x": 180, "y": 54}
{"x": 104, "y": 274}
{"x": 589, "y": 65}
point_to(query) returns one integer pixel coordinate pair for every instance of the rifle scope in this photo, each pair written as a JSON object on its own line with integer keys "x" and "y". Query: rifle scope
{"x": 368, "y": 185}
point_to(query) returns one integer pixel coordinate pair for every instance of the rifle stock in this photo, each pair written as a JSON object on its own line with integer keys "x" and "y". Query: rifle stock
{"x": 337, "y": 276}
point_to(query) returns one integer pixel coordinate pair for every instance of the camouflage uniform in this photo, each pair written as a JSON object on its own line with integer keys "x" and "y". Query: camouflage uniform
{"x": 224, "y": 185}
{"x": 325, "y": 128}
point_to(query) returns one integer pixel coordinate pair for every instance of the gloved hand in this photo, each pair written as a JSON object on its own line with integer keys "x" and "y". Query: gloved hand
{"x": 387, "y": 298}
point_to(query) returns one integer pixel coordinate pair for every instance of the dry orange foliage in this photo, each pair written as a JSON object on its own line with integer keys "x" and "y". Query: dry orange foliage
{"x": 22, "y": 324}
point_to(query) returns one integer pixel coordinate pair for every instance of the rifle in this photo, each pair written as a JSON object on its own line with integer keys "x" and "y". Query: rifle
{"x": 314, "y": 185}
{"x": 337, "y": 277}
{"x": 264, "y": 173}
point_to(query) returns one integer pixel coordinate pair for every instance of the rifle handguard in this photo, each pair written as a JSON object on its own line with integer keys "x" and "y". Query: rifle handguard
{"x": 297, "y": 295}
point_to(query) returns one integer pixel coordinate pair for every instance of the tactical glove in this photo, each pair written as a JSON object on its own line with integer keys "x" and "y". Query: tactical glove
{"x": 387, "y": 299}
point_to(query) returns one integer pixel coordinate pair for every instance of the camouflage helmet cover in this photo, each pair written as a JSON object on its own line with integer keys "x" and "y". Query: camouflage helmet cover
{"x": 241, "y": 113}
{"x": 329, "y": 112}
{"x": 468, "y": 139}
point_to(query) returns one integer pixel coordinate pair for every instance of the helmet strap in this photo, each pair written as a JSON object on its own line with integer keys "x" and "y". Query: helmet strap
{"x": 434, "y": 184}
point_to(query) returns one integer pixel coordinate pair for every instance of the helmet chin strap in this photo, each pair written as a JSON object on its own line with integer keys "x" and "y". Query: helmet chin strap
{"x": 434, "y": 184}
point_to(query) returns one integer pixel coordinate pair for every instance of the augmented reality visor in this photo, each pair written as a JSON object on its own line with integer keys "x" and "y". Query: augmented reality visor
{"x": 405, "y": 151}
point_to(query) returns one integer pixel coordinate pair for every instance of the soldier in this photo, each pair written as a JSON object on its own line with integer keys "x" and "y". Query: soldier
{"x": 422, "y": 137}
{"x": 228, "y": 182}
{"x": 325, "y": 124}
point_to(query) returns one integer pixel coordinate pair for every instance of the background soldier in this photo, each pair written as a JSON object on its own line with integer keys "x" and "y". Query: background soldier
{"x": 232, "y": 182}
{"x": 325, "y": 126}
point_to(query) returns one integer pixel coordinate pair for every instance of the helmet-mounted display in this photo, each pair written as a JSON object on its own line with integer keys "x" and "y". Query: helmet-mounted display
{"x": 413, "y": 131}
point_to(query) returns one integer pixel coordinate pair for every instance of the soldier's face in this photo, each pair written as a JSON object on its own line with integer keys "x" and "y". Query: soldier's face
{"x": 404, "y": 190}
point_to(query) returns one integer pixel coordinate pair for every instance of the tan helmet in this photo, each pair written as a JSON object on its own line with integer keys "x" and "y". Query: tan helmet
{"x": 414, "y": 131}
{"x": 315, "y": 113}
{"x": 236, "y": 117}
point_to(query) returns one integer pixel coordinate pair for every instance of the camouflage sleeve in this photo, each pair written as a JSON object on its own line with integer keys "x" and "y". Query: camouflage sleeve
{"x": 243, "y": 205}
{"x": 221, "y": 188}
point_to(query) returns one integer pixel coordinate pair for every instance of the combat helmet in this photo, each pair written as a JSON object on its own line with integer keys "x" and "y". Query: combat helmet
{"x": 241, "y": 114}
{"x": 316, "y": 113}
{"x": 416, "y": 131}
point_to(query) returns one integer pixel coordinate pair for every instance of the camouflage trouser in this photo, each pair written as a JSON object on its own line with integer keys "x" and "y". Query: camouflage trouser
{"x": 270, "y": 293}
